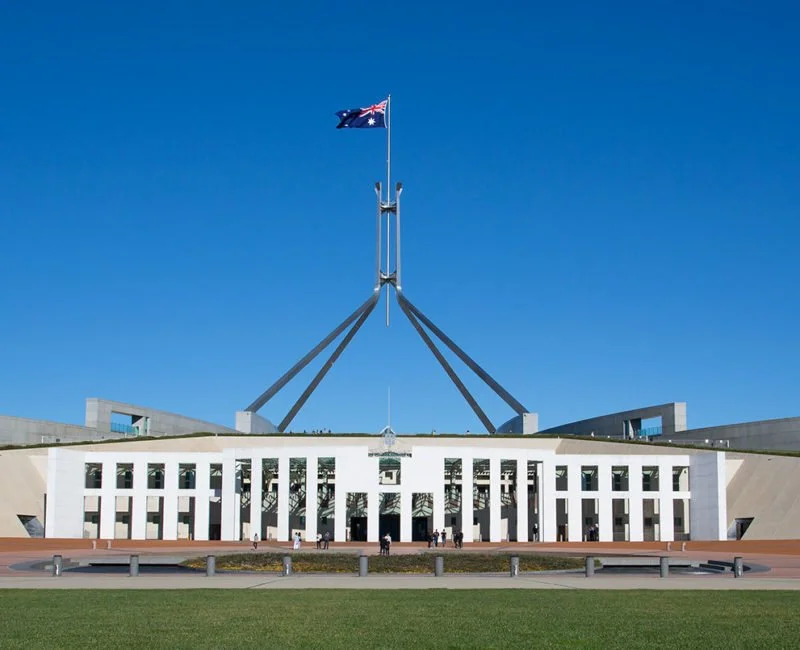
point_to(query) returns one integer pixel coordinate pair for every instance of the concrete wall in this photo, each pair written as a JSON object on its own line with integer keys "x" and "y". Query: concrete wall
{"x": 161, "y": 423}
{"x": 767, "y": 489}
{"x": 708, "y": 509}
{"x": 23, "y": 476}
{"x": 673, "y": 419}
{"x": 526, "y": 424}
{"x": 768, "y": 435}
{"x": 249, "y": 422}
{"x": 23, "y": 431}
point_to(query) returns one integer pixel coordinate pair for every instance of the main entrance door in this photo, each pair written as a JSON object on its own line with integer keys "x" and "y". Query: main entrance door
{"x": 390, "y": 524}
{"x": 419, "y": 529}
{"x": 358, "y": 529}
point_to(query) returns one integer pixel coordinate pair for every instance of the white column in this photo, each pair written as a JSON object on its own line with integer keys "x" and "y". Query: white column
{"x": 405, "y": 512}
{"x": 108, "y": 501}
{"x": 170, "y": 524}
{"x": 312, "y": 478}
{"x": 604, "y": 495}
{"x": 548, "y": 529}
{"x": 665, "y": 503}
{"x": 229, "y": 531}
{"x": 574, "y": 502}
{"x": 201, "y": 499}
{"x": 523, "y": 529}
{"x": 467, "y": 511}
{"x": 139, "y": 508}
{"x": 373, "y": 514}
{"x": 283, "y": 499}
{"x": 256, "y": 495}
{"x": 635, "y": 506}
{"x": 438, "y": 499}
{"x": 339, "y": 507}
{"x": 494, "y": 500}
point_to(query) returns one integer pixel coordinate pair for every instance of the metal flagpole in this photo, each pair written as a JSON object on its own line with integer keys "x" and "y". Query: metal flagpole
{"x": 388, "y": 194}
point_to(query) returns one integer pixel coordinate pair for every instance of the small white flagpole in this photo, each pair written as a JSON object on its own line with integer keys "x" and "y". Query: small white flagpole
{"x": 388, "y": 194}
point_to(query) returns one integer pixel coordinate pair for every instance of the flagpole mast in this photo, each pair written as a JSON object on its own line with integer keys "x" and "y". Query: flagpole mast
{"x": 388, "y": 193}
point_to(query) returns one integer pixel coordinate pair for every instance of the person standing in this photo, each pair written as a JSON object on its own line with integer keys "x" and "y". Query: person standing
{"x": 444, "y": 538}
{"x": 388, "y": 539}
{"x": 255, "y": 542}
{"x": 436, "y": 537}
{"x": 326, "y": 538}
{"x": 319, "y": 541}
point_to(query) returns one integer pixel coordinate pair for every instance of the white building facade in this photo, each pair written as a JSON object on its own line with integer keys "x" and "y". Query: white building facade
{"x": 360, "y": 488}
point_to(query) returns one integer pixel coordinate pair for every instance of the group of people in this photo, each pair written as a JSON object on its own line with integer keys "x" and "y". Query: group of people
{"x": 436, "y": 536}
{"x": 323, "y": 540}
{"x": 593, "y": 533}
{"x": 386, "y": 544}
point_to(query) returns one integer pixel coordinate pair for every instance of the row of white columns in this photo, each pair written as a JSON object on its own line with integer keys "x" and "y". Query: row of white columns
{"x": 230, "y": 510}
{"x": 605, "y": 495}
{"x": 231, "y": 499}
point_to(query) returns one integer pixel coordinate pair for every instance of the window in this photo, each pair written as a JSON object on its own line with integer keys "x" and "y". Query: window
{"x": 619, "y": 479}
{"x": 94, "y": 475}
{"x": 589, "y": 478}
{"x": 389, "y": 471}
{"x": 155, "y": 476}
{"x": 124, "y": 476}
{"x": 680, "y": 479}
{"x": 561, "y": 478}
{"x": 186, "y": 476}
{"x": 650, "y": 479}
{"x": 215, "y": 476}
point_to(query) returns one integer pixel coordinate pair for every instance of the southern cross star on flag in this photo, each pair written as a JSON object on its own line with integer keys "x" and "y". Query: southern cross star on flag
{"x": 371, "y": 117}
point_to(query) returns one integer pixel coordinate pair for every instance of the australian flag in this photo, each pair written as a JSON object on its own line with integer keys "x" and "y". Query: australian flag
{"x": 371, "y": 117}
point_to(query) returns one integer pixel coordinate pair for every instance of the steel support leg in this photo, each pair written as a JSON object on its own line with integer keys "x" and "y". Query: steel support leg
{"x": 485, "y": 376}
{"x": 325, "y": 368}
{"x": 296, "y": 368}
{"x": 448, "y": 368}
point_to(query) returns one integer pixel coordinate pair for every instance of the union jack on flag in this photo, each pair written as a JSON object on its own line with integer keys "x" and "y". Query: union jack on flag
{"x": 371, "y": 117}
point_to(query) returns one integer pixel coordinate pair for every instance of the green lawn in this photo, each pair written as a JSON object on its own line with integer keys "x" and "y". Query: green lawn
{"x": 397, "y": 619}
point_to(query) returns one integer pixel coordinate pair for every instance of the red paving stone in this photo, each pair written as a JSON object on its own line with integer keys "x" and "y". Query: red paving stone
{"x": 781, "y": 556}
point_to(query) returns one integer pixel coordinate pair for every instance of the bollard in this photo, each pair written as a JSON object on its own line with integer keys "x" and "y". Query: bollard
{"x": 589, "y": 571}
{"x": 683, "y": 546}
{"x": 211, "y": 565}
{"x": 738, "y": 567}
{"x": 663, "y": 567}
{"x": 57, "y": 565}
{"x": 514, "y": 566}
{"x": 287, "y": 565}
{"x": 108, "y": 545}
{"x": 134, "y": 566}
{"x": 438, "y": 566}
{"x": 94, "y": 544}
{"x": 363, "y": 566}
{"x": 669, "y": 546}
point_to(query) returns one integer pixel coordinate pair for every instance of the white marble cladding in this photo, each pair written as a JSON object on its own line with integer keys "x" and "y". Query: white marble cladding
{"x": 160, "y": 511}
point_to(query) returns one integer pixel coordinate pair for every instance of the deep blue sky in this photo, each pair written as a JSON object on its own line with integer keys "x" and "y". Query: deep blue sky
{"x": 601, "y": 206}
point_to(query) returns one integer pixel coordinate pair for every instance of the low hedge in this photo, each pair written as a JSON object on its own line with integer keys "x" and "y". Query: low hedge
{"x": 324, "y": 562}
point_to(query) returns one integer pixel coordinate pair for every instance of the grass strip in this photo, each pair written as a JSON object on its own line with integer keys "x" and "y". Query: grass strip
{"x": 420, "y": 563}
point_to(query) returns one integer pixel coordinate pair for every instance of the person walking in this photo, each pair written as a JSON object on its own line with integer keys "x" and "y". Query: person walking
{"x": 326, "y": 538}
{"x": 319, "y": 541}
{"x": 436, "y": 537}
{"x": 255, "y": 542}
{"x": 444, "y": 538}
